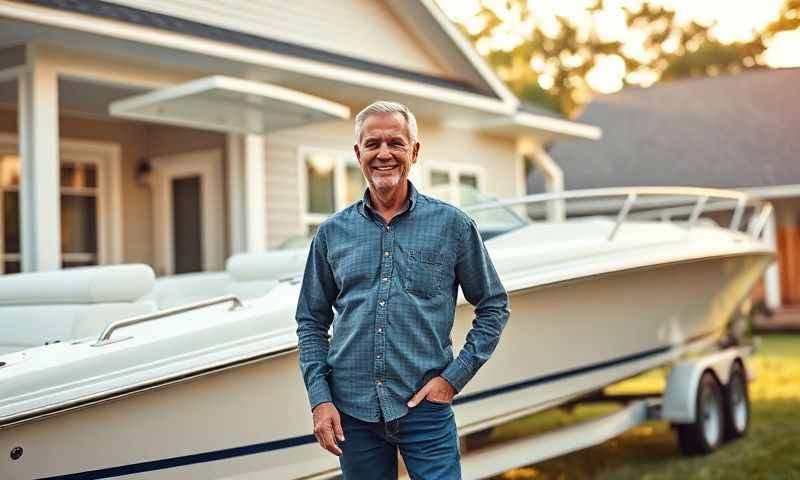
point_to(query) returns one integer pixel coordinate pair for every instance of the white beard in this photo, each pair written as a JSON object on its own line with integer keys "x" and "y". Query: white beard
{"x": 383, "y": 182}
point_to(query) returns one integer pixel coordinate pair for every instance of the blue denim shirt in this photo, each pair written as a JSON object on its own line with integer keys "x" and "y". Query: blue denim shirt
{"x": 394, "y": 289}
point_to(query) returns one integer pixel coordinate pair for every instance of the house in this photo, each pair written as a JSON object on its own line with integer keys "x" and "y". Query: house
{"x": 178, "y": 133}
{"x": 737, "y": 132}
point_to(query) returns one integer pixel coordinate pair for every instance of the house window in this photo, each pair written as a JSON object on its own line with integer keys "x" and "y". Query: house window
{"x": 331, "y": 181}
{"x": 79, "y": 212}
{"x": 454, "y": 182}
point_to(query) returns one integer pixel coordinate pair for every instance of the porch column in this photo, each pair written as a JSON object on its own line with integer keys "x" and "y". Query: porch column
{"x": 40, "y": 202}
{"x": 772, "y": 279}
{"x": 553, "y": 175}
{"x": 254, "y": 193}
{"x": 236, "y": 201}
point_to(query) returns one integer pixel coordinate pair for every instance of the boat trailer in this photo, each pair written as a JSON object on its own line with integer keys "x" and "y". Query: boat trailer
{"x": 705, "y": 400}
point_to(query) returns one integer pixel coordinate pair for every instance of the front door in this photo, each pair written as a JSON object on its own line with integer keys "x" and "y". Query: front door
{"x": 187, "y": 214}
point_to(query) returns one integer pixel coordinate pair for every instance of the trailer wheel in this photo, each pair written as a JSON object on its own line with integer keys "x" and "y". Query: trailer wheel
{"x": 737, "y": 403}
{"x": 705, "y": 434}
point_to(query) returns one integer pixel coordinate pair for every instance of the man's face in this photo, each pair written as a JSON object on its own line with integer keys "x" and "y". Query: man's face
{"x": 385, "y": 151}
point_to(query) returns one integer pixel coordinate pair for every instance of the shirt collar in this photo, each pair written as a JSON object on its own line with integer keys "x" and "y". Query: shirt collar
{"x": 365, "y": 203}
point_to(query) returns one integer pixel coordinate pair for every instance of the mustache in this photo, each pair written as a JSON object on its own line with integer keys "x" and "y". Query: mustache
{"x": 383, "y": 164}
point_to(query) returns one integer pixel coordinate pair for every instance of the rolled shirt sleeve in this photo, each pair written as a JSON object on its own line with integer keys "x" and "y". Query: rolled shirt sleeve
{"x": 314, "y": 316}
{"x": 482, "y": 288}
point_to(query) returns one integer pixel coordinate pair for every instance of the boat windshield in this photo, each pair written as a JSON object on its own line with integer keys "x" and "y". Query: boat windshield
{"x": 491, "y": 222}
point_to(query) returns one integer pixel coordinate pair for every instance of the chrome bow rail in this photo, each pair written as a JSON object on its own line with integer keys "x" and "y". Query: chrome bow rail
{"x": 674, "y": 201}
{"x": 105, "y": 337}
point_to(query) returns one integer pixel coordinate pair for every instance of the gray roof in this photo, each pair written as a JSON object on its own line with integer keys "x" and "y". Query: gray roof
{"x": 146, "y": 18}
{"x": 729, "y": 131}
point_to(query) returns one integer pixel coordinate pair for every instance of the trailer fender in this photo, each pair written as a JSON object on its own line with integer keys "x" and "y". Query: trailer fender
{"x": 679, "y": 402}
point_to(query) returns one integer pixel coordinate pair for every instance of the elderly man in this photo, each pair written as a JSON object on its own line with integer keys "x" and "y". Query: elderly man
{"x": 390, "y": 265}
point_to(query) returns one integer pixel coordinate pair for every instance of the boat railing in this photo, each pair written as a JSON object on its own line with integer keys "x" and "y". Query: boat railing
{"x": 105, "y": 336}
{"x": 663, "y": 203}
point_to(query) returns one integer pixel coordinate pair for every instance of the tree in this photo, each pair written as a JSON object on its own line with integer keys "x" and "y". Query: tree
{"x": 552, "y": 62}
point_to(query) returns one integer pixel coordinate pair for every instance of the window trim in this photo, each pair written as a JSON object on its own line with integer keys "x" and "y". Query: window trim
{"x": 107, "y": 158}
{"x": 342, "y": 160}
{"x": 454, "y": 169}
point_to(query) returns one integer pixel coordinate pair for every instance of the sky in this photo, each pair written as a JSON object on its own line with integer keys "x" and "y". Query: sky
{"x": 736, "y": 21}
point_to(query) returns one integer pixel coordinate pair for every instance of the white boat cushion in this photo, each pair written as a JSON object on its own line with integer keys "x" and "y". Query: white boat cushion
{"x": 25, "y": 326}
{"x": 186, "y": 288}
{"x": 95, "y": 284}
{"x": 271, "y": 265}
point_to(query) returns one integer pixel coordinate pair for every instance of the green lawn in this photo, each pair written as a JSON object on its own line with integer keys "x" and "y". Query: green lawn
{"x": 771, "y": 449}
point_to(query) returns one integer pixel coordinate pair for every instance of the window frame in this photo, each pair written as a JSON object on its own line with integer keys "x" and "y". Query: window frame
{"x": 454, "y": 170}
{"x": 106, "y": 158}
{"x": 342, "y": 160}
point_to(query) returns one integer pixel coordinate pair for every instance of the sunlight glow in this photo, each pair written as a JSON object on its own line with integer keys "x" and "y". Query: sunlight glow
{"x": 607, "y": 74}
{"x": 736, "y": 19}
{"x": 733, "y": 20}
{"x": 784, "y": 50}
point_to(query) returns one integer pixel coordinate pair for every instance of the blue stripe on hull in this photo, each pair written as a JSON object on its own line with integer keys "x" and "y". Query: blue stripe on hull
{"x": 306, "y": 439}
{"x": 188, "y": 459}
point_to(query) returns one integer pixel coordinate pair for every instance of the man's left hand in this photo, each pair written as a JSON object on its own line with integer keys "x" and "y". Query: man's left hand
{"x": 436, "y": 390}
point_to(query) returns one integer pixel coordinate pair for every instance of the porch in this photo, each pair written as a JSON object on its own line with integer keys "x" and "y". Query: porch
{"x": 82, "y": 186}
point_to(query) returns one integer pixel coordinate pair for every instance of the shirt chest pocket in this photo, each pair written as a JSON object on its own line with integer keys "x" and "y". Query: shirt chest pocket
{"x": 423, "y": 276}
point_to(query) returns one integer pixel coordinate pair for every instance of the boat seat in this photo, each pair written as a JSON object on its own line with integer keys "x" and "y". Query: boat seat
{"x": 270, "y": 265}
{"x": 43, "y": 307}
{"x": 247, "y": 275}
{"x": 175, "y": 290}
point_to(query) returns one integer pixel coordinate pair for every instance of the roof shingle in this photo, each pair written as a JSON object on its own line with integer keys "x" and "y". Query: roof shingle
{"x": 729, "y": 131}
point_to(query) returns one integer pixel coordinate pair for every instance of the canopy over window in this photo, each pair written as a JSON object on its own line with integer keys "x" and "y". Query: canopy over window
{"x": 229, "y": 104}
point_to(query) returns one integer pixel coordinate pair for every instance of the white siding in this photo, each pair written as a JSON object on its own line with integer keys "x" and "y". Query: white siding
{"x": 364, "y": 29}
{"x": 283, "y": 173}
{"x": 495, "y": 156}
{"x": 439, "y": 144}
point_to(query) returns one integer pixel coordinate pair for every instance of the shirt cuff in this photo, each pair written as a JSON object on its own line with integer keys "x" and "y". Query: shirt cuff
{"x": 320, "y": 392}
{"x": 457, "y": 374}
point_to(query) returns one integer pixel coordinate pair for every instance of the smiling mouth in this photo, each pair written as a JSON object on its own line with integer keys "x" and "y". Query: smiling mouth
{"x": 385, "y": 168}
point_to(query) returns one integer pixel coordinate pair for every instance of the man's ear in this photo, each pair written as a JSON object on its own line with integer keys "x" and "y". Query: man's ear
{"x": 358, "y": 153}
{"x": 415, "y": 152}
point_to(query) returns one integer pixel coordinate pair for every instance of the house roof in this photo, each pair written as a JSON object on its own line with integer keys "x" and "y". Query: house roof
{"x": 179, "y": 25}
{"x": 727, "y": 131}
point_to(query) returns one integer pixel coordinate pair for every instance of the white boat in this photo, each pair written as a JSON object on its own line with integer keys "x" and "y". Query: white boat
{"x": 212, "y": 389}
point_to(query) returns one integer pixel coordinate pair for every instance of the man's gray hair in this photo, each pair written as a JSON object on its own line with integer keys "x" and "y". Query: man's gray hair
{"x": 387, "y": 107}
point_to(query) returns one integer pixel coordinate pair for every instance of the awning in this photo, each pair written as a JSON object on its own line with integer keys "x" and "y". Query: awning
{"x": 229, "y": 104}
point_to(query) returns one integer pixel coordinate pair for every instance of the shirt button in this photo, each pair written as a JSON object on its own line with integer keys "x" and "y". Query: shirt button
{"x": 385, "y": 279}
{"x": 381, "y": 303}
{"x": 385, "y": 254}
{"x": 380, "y": 330}
{"x": 378, "y": 356}
{"x": 388, "y": 228}
{"x": 379, "y": 383}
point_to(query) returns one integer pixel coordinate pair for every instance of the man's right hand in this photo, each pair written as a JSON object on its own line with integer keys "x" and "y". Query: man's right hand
{"x": 328, "y": 427}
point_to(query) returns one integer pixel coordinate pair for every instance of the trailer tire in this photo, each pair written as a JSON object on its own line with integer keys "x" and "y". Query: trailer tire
{"x": 705, "y": 434}
{"x": 737, "y": 403}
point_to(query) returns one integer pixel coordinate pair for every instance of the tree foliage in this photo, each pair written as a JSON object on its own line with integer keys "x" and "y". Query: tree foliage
{"x": 552, "y": 67}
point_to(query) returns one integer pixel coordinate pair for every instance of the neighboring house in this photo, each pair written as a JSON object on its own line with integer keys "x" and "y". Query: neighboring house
{"x": 740, "y": 131}
{"x": 178, "y": 133}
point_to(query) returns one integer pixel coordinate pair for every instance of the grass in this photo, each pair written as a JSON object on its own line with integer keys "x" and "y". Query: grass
{"x": 771, "y": 449}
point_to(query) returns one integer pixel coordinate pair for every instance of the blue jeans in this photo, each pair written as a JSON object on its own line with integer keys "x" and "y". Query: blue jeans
{"x": 426, "y": 436}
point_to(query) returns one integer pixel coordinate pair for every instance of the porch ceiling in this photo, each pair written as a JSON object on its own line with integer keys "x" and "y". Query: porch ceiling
{"x": 75, "y": 96}
{"x": 229, "y": 104}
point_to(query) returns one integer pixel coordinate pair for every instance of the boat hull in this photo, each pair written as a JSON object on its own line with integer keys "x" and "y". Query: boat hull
{"x": 562, "y": 340}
